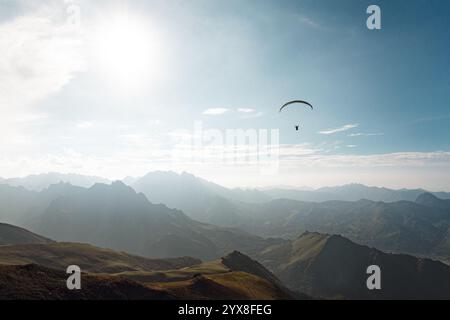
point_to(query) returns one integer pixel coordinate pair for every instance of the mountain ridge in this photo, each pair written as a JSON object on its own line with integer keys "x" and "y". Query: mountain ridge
{"x": 333, "y": 267}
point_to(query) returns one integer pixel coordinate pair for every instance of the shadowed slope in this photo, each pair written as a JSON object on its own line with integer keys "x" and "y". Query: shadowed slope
{"x": 334, "y": 267}
{"x": 10, "y": 235}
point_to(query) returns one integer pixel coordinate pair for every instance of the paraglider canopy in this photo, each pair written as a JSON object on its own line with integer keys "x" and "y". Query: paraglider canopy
{"x": 297, "y": 102}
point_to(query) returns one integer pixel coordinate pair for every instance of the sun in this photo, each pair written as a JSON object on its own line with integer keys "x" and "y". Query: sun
{"x": 127, "y": 50}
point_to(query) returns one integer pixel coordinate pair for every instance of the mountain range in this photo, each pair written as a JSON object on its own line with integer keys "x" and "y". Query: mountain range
{"x": 404, "y": 226}
{"x": 115, "y": 216}
{"x": 318, "y": 248}
{"x": 98, "y": 214}
{"x": 39, "y": 182}
{"x": 318, "y": 265}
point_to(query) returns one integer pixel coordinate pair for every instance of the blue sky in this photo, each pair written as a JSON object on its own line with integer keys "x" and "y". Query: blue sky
{"x": 70, "y": 110}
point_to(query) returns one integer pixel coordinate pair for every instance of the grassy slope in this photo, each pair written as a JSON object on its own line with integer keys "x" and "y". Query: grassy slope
{"x": 11, "y": 235}
{"x": 87, "y": 257}
{"x": 230, "y": 285}
{"x": 33, "y": 282}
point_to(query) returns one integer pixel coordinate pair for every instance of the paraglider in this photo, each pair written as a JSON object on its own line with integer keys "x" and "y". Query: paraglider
{"x": 297, "y": 102}
{"x": 297, "y": 127}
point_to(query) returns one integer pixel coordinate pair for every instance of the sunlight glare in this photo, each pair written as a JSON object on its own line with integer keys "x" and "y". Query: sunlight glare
{"x": 128, "y": 51}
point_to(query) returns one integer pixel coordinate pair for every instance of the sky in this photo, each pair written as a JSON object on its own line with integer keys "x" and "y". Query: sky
{"x": 121, "y": 88}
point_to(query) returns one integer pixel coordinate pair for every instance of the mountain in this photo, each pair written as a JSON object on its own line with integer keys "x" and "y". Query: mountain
{"x": 333, "y": 267}
{"x": 11, "y": 235}
{"x": 430, "y": 200}
{"x": 115, "y": 216}
{"x": 15, "y": 203}
{"x": 233, "y": 277}
{"x": 199, "y": 199}
{"x": 42, "y": 181}
{"x": 20, "y": 206}
{"x": 237, "y": 261}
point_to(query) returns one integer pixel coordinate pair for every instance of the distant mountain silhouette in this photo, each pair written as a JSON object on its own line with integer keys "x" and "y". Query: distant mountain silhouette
{"x": 20, "y": 206}
{"x": 200, "y": 199}
{"x": 430, "y": 200}
{"x": 117, "y": 217}
{"x": 41, "y": 181}
{"x": 350, "y": 192}
{"x": 334, "y": 267}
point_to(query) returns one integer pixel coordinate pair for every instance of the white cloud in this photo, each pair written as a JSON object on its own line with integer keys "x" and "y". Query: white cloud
{"x": 398, "y": 159}
{"x": 39, "y": 56}
{"x": 215, "y": 111}
{"x": 308, "y": 21}
{"x": 253, "y": 115}
{"x": 340, "y": 129}
{"x": 246, "y": 110}
{"x": 85, "y": 125}
{"x": 359, "y": 134}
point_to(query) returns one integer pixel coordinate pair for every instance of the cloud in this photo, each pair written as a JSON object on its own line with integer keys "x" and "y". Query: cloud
{"x": 308, "y": 21}
{"x": 40, "y": 54}
{"x": 340, "y": 129}
{"x": 85, "y": 125}
{"x": 430, "y": 119}
{"x": 215, "y": 111}
{"x": 359, "y": 134}
{"x": 246, "y": 110}
{"x": 39, "y": 57}
{"x": 398, "y": 159}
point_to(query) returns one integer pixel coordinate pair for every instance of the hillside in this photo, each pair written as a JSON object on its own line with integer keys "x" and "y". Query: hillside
{"x": 235, "y": 277}
{"x": 334, "y": 267}
{"x": 88, "y": 258}
{"x": 224, "y": 286}
{"x": 33, "y": 282}
{"x": 38, "y": 272}
{"x": 237, "y": 261}
{"x": 12, "y": 235}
